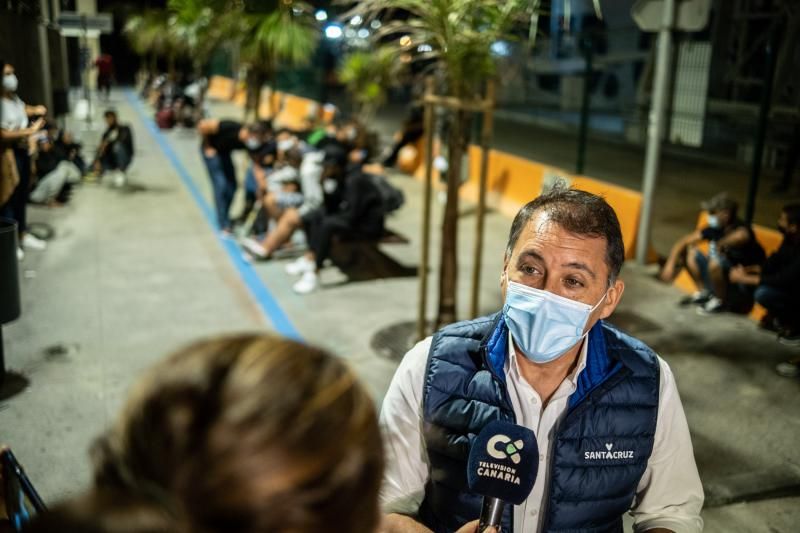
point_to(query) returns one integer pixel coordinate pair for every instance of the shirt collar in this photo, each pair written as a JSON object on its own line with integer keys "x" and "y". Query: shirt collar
{"x": 512, "y": 364}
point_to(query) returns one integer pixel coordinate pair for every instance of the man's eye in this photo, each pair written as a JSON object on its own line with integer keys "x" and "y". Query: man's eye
{"x": 529, "y": 270}
{"x": 573, "y": 283}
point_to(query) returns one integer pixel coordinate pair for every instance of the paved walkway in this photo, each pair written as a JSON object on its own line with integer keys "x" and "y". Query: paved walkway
{"x": 133, "y": 274}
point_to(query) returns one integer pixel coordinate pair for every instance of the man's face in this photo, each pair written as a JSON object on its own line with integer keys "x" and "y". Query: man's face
{"x": 550, "y": 258}
{"x": 111, "y": 120}
{"x": 8, "y": 70}
{"x": 724, "y": 216}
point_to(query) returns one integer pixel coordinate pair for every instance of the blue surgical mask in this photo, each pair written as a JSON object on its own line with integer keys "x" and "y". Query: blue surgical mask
{"x": 713, "y": 221}
{"x": 252, "y": 143}
{"x": 544, "y": 326}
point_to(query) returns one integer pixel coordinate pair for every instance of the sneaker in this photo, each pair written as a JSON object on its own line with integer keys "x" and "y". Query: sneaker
{"x": 713, "y": 306}
{"x": 789, "y": 338}
{"x": 300, "y": 266}
{"x": 120, "y": 179}
{"x": 33, "y": 242}
{"x": 308, "y": 283}
{"x": 696, "y": 298}
{"x": 20, "y": 254}
{"x": 254, "y": 248}
{"x": 788, "y": 369}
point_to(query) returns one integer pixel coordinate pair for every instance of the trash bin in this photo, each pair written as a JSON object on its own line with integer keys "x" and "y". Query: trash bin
{"x": 9, "y": 281}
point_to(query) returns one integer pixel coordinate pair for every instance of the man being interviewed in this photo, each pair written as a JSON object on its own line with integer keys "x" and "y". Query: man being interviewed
{"x": 605, "y": 409}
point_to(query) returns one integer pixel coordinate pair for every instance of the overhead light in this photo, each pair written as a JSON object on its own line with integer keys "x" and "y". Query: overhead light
{"x": 501, "y": 48}
{"x": 424, "y": 48}
{"x": 333, "y": 31}
{"x": 356, "y": 20}
{"x": 321, "y": 15}
{"x": 375, "y": 24}
{"x": 363, "y": 33}
{"x": 405, "y": 40}
{"x": 350, "y": 33}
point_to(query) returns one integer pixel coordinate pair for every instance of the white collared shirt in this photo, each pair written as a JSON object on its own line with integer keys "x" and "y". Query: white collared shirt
{"x": 669, "y": 494}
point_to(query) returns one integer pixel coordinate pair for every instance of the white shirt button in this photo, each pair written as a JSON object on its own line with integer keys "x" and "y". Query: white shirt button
{"x": 534, "y": 512}
{"x": 541, "y": 457}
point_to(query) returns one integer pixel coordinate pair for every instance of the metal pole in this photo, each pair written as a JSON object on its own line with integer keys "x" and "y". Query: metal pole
{"x": 426, "y": 213}
{"x": 486, "y": 137}
{"x": 654, "y": 128}
{"x": 761, "y": 130}
{"x": 585, "y": 104}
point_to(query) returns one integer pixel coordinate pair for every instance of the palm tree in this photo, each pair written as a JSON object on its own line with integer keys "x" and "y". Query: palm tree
{"x": 456, "y": 36}
{"x": 143, "y": 33}
{"x": 286, "y": 37}
{"x": 368, "y": 76}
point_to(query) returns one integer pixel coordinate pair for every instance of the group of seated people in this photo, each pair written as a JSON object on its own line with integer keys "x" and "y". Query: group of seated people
{"x": 317, "y": 180}
{"x": 245, "y": 433}
{"x": 735, "y": 273}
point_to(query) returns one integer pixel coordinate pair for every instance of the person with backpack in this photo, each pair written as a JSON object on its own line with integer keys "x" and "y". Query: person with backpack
{"x": 355, "y": 209}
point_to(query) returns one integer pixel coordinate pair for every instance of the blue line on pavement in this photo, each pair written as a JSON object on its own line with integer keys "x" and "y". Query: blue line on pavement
{"x": 269, "y": 306}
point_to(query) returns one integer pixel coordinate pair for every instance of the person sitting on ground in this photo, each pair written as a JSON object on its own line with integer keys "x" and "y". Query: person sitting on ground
{"x": 777, "y": 284}
{"x": 116, "y": 149}
{"x": 54, "y": 173}
{"x": 358, "y": 214}
{"x": 731, "y": 243}
{"x": 66, "y": 142}
{"x": 219, "y": 140}
{"x": 245, "y": 434}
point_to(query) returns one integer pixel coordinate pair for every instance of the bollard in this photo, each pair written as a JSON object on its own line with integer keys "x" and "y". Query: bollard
{"x": 9, "y": 281}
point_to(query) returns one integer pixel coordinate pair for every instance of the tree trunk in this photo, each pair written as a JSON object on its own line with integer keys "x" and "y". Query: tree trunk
{"x": 448, "y": 270}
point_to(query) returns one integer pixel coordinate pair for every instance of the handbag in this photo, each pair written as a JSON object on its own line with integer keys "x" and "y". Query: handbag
{"x": 9, "y": 177}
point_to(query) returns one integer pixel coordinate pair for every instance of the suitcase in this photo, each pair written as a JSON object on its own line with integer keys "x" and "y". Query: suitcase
{"x": 165, "y": 118}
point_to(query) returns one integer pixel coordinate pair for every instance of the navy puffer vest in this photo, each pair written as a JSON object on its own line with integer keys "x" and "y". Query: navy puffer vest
{"x": 599, "y": 451}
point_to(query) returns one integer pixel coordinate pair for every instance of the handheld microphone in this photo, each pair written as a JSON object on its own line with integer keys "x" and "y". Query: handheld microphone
{"x": 502, "y": 467}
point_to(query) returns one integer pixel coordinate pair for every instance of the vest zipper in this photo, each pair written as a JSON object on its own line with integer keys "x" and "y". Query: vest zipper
{"x": 610, "y": 382}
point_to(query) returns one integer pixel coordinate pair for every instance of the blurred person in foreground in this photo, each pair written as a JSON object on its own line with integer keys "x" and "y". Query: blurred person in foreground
{"x": 731, "y": 243}
{"x": 245, "y": 434}
{"x": 611, "y": 430}
{"x": 777, "y": 286}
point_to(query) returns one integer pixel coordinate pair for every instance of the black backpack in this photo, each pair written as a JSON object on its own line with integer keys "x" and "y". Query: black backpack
{"x": 392, "y": 198}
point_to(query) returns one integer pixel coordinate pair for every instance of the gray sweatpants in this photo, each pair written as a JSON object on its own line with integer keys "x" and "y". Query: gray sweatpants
{"x": 50, "y": 185}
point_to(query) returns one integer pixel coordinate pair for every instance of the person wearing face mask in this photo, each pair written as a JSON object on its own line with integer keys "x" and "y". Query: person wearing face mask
{"x": 604, "y": 407}
{"x": 15, "y": 129}
{"x": 777, "y": 284}
{"x": 219, "y": 139}
{"x": 731, "y": 243}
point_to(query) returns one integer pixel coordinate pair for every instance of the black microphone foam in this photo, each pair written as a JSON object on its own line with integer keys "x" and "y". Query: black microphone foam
{"x": 503, "y": 462}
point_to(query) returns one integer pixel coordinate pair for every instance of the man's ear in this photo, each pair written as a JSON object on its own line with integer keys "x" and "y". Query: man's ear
{"x": 613, "y": 297}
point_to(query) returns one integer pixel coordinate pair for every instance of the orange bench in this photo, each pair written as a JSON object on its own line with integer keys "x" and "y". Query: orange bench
{"x": 769, "y": 239}
{"x": 220, "y": 88}
{"x": 513, "y": 181}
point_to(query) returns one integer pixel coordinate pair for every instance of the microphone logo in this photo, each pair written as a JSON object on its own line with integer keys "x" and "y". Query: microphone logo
{"x": 501, "y": 447}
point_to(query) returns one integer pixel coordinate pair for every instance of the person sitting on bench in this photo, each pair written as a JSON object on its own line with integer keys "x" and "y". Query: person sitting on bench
{"x": 731, "y": 243}
{"x": 354, "y": 210}
{"x": 777, "y": 282}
